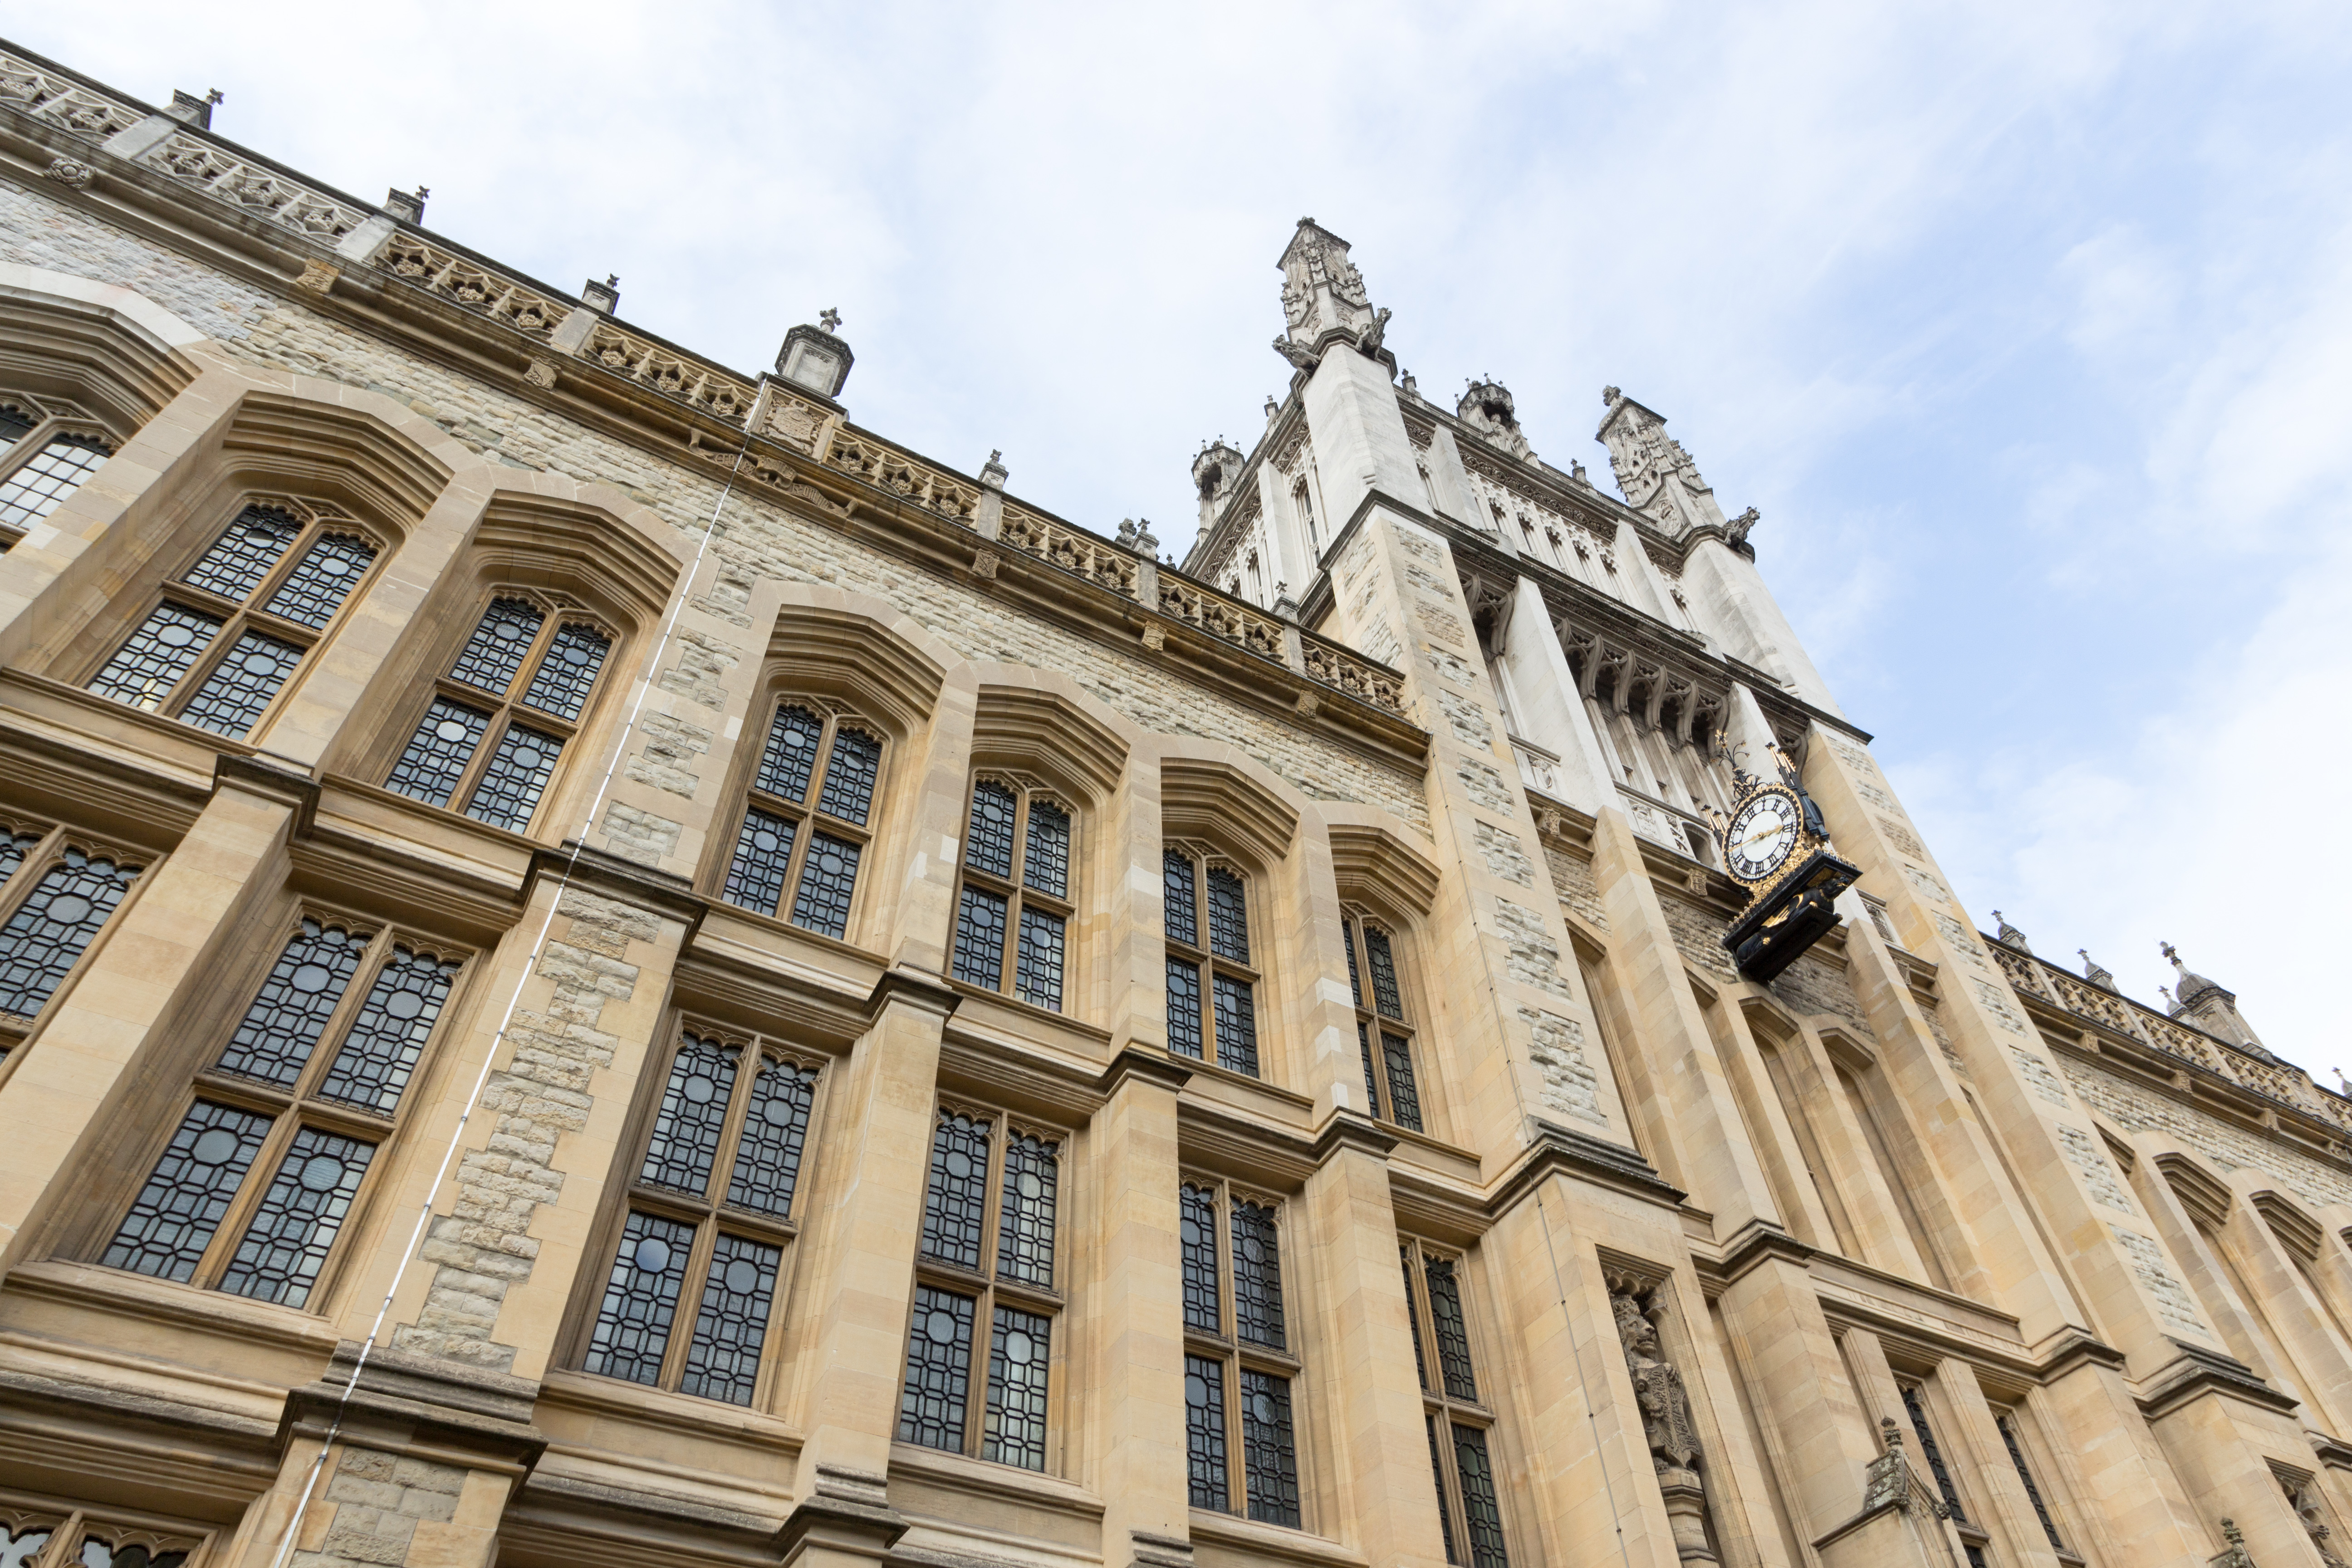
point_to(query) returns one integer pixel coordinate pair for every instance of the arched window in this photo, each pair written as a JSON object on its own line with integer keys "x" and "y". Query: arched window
{"x": 307, "y": 1089}
{"x": 1218, "y": 970}
{"x": 1239, "y": 1365}
{"x": 1383, "y": 1033}
{"x": 711, "y": 1205}
{"x": 1013, "y": 910}
{"x": 805, "y": 820}
{"x": 498, "y": 722}
{"x": 56, "y": 889}
{"x": 33, "y": 1535}
{"x": 1304, "y": 505}
{"x": 224, "y": 636}
{"x": 47, "y": 448}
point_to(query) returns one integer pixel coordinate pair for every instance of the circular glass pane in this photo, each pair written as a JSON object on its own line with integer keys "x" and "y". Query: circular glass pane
{"x": 214, "y": 1145}
{"x": 795, "y": 738}
{"x": 743, "y": 1277}
{"x": 940, "y": 1328}
{"x": 1191, "y": 1234}
{"x": 175, "y": 636}
{"x": 321, "y": 1172}
{"x": 507, "y": 631}
{"x": 310, "y": 978}
{"x": 957, "y": 1164}
{"x": 451, "y": 731}
{"x": 1196, "y": 1390}
{"x": 1017, "y": 1348}
{"x": 1263, "y": 1408}
{"x": 574, "y": 654}
{"x": 261, "y": 665}
{"x": 698, "y": 1089}
{"x": 527, "y": 760}
{"x": 653, "y": 1255}
{"x": 403, "y": 1005}
{"x": 1031, "y": 1187}
{"x": 331, "y": 565}
{"x": 1253, "y": 1251}
{"x": 778, "y": 1111}
{"x": 71, "y": 910}
{"x": 764, "y": 841}
{"x": 832, "y": 863}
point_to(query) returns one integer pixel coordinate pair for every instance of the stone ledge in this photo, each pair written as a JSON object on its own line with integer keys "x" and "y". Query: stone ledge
{"x": 1558, "y": 1149}
{"x": 449, "y": 1407}
{"x": 2197, "y": 1372}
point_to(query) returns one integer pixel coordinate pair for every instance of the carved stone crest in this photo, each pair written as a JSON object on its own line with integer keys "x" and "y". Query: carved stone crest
{"x": 71, "y": 172}
{"x": 318, "y": 277}
{"x": 541, "y": 371}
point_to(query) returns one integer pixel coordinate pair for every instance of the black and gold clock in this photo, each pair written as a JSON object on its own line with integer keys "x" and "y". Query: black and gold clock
{"x": 1776, "y": 845}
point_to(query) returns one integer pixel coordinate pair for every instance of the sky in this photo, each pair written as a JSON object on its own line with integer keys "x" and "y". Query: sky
{"x": 2028, "y": 327}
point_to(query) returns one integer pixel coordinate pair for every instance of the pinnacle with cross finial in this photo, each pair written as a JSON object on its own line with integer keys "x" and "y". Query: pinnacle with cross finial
{"x": 830, "y": 319}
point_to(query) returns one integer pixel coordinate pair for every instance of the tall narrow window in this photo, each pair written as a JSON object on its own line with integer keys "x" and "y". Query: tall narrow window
{"x": 1972, "y": 1536}
{"x": 984, "y": 1284}
{"x": 2008, "y": 1422}
{"x": 1459, "y": 1422}
{"x": 1013, "y": 910}
{"x": 1212, "y": 987}
{"x": 228, "y": 632}
{"x": 1304, "y": 504}
{"x": 805, "y": 825}
{"x": 47, "y": 448}
{"x": 710, "y": 1226}
{"x": 496, "y": 724}
{"x": 1238, "y": 1363}
{"x": 57, "y": 890}
{"x": 1382, "y": 1035}
{"x": 281, "y": 1131}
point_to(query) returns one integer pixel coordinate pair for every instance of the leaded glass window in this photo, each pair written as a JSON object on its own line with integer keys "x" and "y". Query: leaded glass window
{"x": 1459, "y": 1422}
{"x": 1971, "y": 1536}
{"x": 222, "y": 638}
{"x": 2007, "y": 1421}
{"x": 46, "y": 450}
{"x": 496, "y": 726}
{"x": 1012, "y": 911}
{"x": 985, "y": 1265}
{"x": 712, "y": 1189}
{"x": 31, "y": 1535}
{"x": 795, "y": 859}
{"x": 1225, "y": 1030}
{"x": 308, "y": 1086}
{"x": 56, "y": 898}
{"x": 1384, "y": 1034}
{"x": 1237, "y": 1384}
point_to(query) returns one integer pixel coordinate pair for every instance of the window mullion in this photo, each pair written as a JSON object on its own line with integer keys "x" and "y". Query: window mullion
{"x": 285, "y": 1122}
{"x": 29, "y": 871}
{"x": 372, "y": 958}
{"x": 688, "y": 1311}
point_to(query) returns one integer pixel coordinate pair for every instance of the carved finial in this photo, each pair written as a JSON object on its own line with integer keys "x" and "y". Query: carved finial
{"x": 2010, "y": 933}
{"x": 1889, "y": 1435}
{"x": 1306, "y": 222}
{"x": 1407, "y": 381}
{"x": 1609, "y": 395}
{"x": 423, "y": 192}
{"x": 1272, "y": 407}
{"x": 2231, "y": 1533}
{"x": 829, "y": 319}
{"x": 2092, "y": 971}
{"x": 215, "y": 96}
{"x": 995, "y": 454}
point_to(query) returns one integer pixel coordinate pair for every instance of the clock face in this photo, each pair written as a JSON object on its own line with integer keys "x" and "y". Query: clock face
{"x": 1763, "y": 835}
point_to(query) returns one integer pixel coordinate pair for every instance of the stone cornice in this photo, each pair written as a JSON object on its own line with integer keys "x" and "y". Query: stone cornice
{"x": 575, "y": 865}
{"x": 2197, "y": 1372}
{"x": 1560, "y": 1150}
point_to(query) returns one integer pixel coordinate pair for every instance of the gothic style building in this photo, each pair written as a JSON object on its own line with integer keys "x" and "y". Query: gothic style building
{"x": 599, "y": 966}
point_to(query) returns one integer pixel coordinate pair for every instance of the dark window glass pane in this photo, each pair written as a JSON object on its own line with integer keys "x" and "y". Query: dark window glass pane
{"x": 828, "y": 876}
{"x": 849, "y": 775}
{"x": 1453, "y": 1329}
{"x": 501, "y": 640}
{"x": 1204, "y": 1433}
{"x": 939, "y": 1371}
{"x": 437, "y": 753}
{"x": 640, "y": 1299}
{"x": 1483, "y": 1510}
{"x": 1372, "y": 1085}
{"x": 2032, "y": 1492}
{"x": 980, "y": 938}
{"x": 15, "y": 424}
{"x": 14, "y": 847}
{"x": 173, "y": 1221}
{"x": 693, "y": 1113}
{"x": 1047, "y": 865}
{"x": 790, "y": 753}
{"x": 1197, "y": 1223}
{"x": 990, "y": 840}
{"x": 1412, "y": 1320}
{"x": 957, "y": 1196}
{"x": 166, "y": 645}
{"x": 723, "y": 1362}
{"x": 291, "y": 1009}
{"x": 1236, "y": 1025}
{"x": 569, "y": 670}
{"x": 286, "y": 1245}
{"x": 1355, "y": 979}
{"x": 763, "y": 849}
{"x": 56, "y": 920}
{"x": 42, "y": 485}
{"x": 1385, "y": 995}
{"x": 775, "y": 1130}
{"x": 516, "y": 776}
{"x": 245, "y": 553}
{"x": 241, "y": 685}
{"x": 322, "y": 580}
{"x": 1184, "y": 1035}
{"x": 1918, "y": 1411}
{"x": 1228, "y": 916}
{"x": 1177, "y": 901}
{"x": 1024, "y": 1236}
{"x": 1405, "y": 1095}
{"x": 1018, "y": 1356}
{"x": 1437, "y": 1468}
{"x": 1269, "y": 1457}
{"x": 1040, "y": 978}
{"x": 1257, "y": 1276}
{"x": 380, "y": 1052}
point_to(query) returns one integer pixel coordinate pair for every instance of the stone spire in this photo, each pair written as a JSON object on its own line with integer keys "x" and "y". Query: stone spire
{"x": 2010, "y": 933}
{"x": 2210, "y": 1006}
{"x": 2102, "y": 978}
{"x": 1323, "y": 299}
{"x": 815, "y": 359}
{"x": 1486, "y": 407}
{"x": 1213, "y": 473}
{"x": 1656, "y": 476}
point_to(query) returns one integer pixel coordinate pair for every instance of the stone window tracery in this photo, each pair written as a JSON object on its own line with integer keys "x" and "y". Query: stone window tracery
{"x": 496, "y": 724}
{"x": 691, "y": 1300}
{"x": 805, "y": 823}
{"x": 282, "y": 1127}
{"x": 35, "y": 1536}
{"x": 48, "y": 448}
{"x": 1015, "y": 905}
{"x": 222, "y": 639}
{"x": 58, "y": 889}
{"x": 1239, "y": 1367}
{"x": 1212, "y": 985}
{"x": 986, "y": 1263}
{"x": 1383, "y": 1036}
{"x": 1458, "y": 1423}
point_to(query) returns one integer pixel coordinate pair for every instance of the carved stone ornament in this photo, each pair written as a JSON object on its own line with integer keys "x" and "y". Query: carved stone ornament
{"x": 72, "y": 172}
{"x": 1666, "y": 1422}
{"x": 984, "y": 563}
{"x": 318, "y": 277}
{"x": 1891, "y": 1483}
{"x": 541, "y": 371}
{"x": 1155, "y": 637}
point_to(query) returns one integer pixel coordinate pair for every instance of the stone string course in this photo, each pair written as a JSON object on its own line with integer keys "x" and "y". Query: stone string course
{"x": 2138, "y": 1110}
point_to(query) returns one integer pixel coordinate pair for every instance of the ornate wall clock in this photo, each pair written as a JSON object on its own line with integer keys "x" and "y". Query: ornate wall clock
{"x": 1775, "y": 845}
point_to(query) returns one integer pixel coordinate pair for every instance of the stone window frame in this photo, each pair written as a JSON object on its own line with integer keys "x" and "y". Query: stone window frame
{"x": 808, "y": 813}
{"x": 1235, "y": 1355}
{"x": 708, "y": 1212}
{"x": 1375, "y": 1027}
{"x": 168, "y": 1543}
{"x": 1876, "y": 1118}
{"x": 1928, "y": 1420}
{"x": 51, "y": 842}
{"x": 1443, "y": 1411}
{"x": 506, "y": 710}
{"x": 988, "y": 1287}
{"x": 1209, "y": 965}
{"x": 1019, "y": 895}
{"x": 319, "y": 520}
{"x": 2030, "y": 1455}
{"x": 50, "y": 421}
{"x": 295, "y": 1107}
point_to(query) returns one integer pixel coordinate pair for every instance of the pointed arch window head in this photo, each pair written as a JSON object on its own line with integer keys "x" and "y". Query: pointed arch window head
{"x": 222, "y": 638}
{"x": 48, "y": 449}
{"x": 496, "y": 726}
{"x": 1212, "y": 989}
{"x": 57, "y": 892}
{"x": 784, "y": 843}
{"x": 1012, "y": 909}
{"x": 1384, "y": 1037}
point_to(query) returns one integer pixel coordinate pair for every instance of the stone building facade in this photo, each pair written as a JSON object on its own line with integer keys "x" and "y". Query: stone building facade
{"x": 599, "y": 964}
